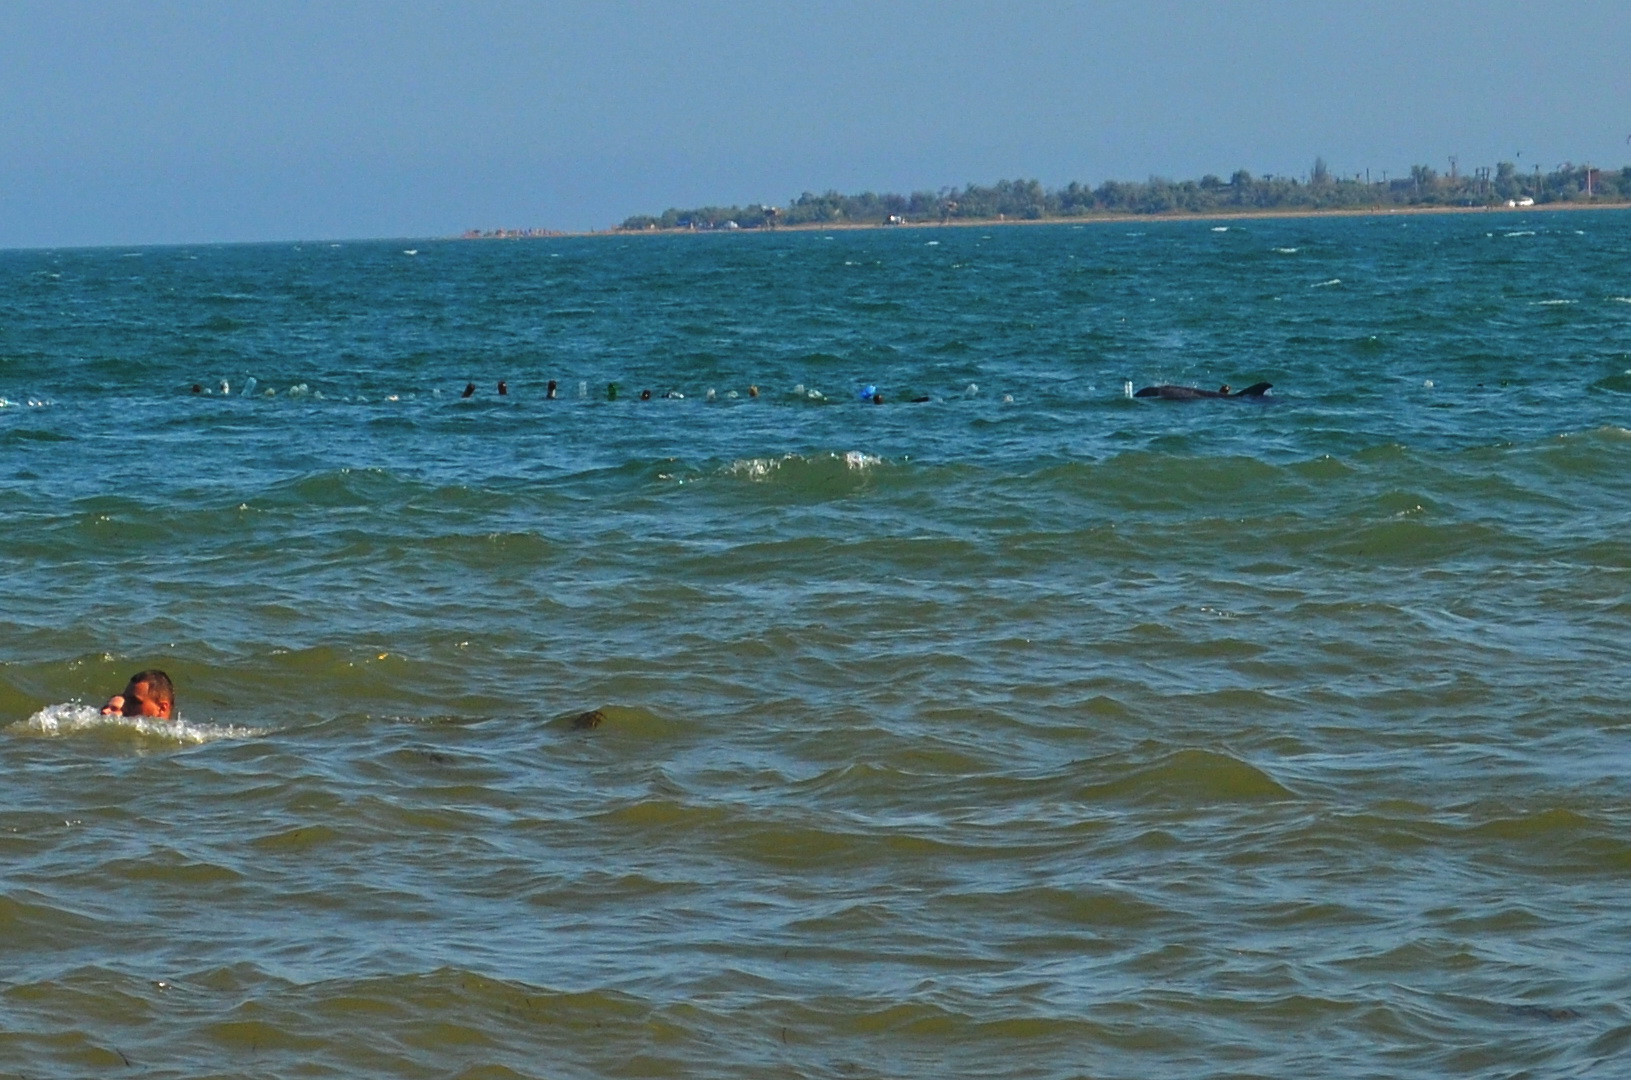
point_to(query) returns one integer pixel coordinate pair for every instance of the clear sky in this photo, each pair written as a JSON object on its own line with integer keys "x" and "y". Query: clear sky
{"x": 154, "y": 121}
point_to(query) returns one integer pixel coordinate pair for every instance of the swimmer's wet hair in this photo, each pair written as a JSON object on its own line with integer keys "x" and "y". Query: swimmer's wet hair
{"x": 158, "y": 682}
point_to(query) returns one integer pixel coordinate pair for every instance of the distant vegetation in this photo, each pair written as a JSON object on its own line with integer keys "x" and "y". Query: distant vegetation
{"x": 1027, "y": 200}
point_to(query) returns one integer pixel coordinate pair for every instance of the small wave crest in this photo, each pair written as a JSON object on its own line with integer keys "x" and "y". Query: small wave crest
{"x": 72, "y": 718}
{"x": 764, "y": 468}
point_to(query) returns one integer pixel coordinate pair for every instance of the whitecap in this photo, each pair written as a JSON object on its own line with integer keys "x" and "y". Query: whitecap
{"x": 1286, "y": 251}
{"x": 854, "y": 459}
{"x": 757, "y": 468}
{"x": 1621, "y": 299}
{"x": 1521, "y": 232}
{"x": 1326, "y": 284}
{"x": 1554, "y": 303}
{"x": 74, "y": 718}
{"x": 1220, "y": 228}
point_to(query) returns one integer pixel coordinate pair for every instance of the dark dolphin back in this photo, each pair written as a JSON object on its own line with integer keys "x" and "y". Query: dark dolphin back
{"x": 1193, "y": 393}
{"x": 1177, "y": 393}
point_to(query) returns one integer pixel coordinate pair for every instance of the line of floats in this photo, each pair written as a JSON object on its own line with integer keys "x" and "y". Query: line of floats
{"x": 867, "y": 394}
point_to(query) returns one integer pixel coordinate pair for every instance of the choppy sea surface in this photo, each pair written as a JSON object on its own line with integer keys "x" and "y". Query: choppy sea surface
{"x": 1029, "y": 730}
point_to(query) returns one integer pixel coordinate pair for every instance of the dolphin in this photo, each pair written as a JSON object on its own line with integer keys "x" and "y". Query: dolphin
{"x": 1190, "y": 393}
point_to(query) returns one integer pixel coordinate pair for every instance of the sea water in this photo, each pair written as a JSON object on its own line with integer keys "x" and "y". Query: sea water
{"x": 1026, "y": 730}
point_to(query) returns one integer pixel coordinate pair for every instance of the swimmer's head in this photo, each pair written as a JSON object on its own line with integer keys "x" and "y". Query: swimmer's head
{"x": 149, "y": 693}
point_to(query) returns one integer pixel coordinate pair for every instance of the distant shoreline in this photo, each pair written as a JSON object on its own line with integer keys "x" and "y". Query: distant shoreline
{"x": 1082, "y": 219}
{"x": 1122, "y": 219}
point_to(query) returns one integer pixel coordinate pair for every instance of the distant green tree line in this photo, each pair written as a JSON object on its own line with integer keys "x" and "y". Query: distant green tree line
{"x": 1027, "y": 200}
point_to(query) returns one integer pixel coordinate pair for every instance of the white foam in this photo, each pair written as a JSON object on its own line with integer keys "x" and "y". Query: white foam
{"x": 1285, "y": 251}
{"x": 1555, "y": 303}
{"x": 762, "y": 468}
{"x": 1326, "y": 284}
{"x": 74, "y": 718}
{"x": 757, "y": 468}
{"x": 854, "y": 459}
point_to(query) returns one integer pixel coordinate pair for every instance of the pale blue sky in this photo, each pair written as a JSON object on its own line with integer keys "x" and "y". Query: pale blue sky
{"x": 147, "y": 121}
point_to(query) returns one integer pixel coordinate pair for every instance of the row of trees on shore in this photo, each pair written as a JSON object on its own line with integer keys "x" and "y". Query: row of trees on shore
{"x": 1028, "y": 200}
